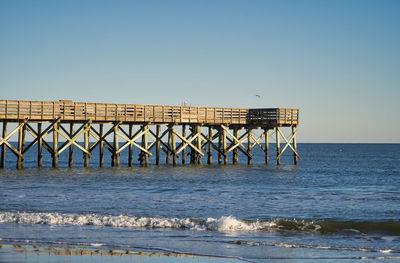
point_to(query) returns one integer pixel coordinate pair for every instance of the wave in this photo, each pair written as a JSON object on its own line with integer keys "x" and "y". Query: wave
{"x": 223, "y": 224}
{"x": 322, "y": 247}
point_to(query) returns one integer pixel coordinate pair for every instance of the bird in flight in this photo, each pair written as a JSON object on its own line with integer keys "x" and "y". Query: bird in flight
{"x": 258, "y": 96}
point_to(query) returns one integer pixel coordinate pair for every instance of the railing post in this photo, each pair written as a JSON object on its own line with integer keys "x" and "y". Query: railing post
{"x": 6, "y": 114}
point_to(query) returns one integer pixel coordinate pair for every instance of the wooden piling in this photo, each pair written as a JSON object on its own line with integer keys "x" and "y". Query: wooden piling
{"x": 168, "y": 156}
{"x": 145, "y": 146}
{"x": 184, "y": 150}
{"x": 3, "y": 146}
{"x": 278, "y": 145}
{"x": 220, "y": 145}
{"x": 235, "y": 153}
{"x": 86, "y": 145}
{"x": 40, "y": 145}
{"x": 294, "y": 145}
{"x": 21, "y": 142}
{"x": 158, "y": 144}
{"x": 192, "y": 151}
{"x": 224, "y": 146}
{"x": 266, "y": 149}
{"x": 210, "y": 138}
{"x": 101, "y": 150}
{"x": 55, "y": 145}
{"x": 130, "y": 157}
{"x": 198, "y": 144}
{"x": 116, "y": 147}
{"x": 173, "y": 148}
{"x": 71, "y": 147}
{"x": 249, "y": 145}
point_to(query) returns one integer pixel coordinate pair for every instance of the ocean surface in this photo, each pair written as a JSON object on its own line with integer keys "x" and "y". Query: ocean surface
{"x": 340, "y": 203}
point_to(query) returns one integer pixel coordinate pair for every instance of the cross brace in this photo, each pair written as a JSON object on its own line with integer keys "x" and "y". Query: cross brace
{"x": 5, "y": 140}
{"x": 287, "y": 144}
{"x": 71, "y": 139}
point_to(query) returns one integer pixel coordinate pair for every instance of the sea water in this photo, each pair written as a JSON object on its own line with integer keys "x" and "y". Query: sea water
{"x": 340, "y": 203}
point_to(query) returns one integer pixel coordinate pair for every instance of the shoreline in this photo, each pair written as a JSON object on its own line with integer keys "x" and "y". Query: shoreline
{"x": 43, "y": 253}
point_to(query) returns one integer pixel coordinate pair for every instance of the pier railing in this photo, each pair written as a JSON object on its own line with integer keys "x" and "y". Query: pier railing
{"x": 135, "y": 113}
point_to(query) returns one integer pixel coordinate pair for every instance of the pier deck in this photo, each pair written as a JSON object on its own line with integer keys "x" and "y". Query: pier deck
{"x": 16, "y": 110}
{"x": 154, "y": 122}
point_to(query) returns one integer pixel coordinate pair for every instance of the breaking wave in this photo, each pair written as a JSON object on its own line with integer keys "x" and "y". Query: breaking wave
{"x": 223, "y": 224}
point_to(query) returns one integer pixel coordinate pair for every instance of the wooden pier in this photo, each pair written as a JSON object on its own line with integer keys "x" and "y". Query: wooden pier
{"x": 171, "y": 129}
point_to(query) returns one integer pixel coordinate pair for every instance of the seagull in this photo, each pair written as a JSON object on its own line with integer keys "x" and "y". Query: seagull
{"x": 258, "y": 96}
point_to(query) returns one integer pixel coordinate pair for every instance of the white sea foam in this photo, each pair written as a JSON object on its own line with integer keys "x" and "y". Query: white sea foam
{"x": 223, "y": 224}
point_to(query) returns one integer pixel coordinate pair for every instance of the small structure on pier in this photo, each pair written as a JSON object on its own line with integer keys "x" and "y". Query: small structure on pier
{"x": 202, "y": 130}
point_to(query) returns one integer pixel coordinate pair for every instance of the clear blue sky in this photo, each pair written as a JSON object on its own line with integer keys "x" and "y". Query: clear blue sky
{"x": 338, "y": 61}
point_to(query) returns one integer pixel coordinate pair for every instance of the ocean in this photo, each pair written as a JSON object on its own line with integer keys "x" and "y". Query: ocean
{"x": 340, "y": 203}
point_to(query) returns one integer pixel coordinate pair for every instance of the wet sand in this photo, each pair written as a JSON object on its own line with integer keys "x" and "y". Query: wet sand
{"x": 31, "y": 254}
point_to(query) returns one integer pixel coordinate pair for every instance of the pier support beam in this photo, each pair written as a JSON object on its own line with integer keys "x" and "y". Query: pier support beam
{"x": 115, "y": 159}
{"x": 170, "y": 134}
{"x": 198, "y": 143}
{"x": 278, "y": 146}
{"x": 71, "y": 147}
{"x": 266, "y": 150}
{"x": 236, "y": 150}
{"x": 288, "y": 145}
{"x": 3, "y": 146}
{"x": 192, "y": 151}
{"x": 249, "y": 145}
{"x": 220, "y": 145}
{"x": 101, "y": 142}
{"x": 158, "y": 144}
{"x": 229, "y": 139}
{"x": 173, "y": 147}
{"x": 55, "y": 144}
{"x": 184, "y": 149}
{"x": 210, "y": 144}
{"x": 38, "y": 138}
{"x": 224, "y": 149}
{"x": 130, "y": 157}
{"x": 21, "y": 146}
{"x": 294, "y": 145}
{"x": 86, "y": 154}
{"x": 145, "y": 145}
{"x": 40, "y": 145}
